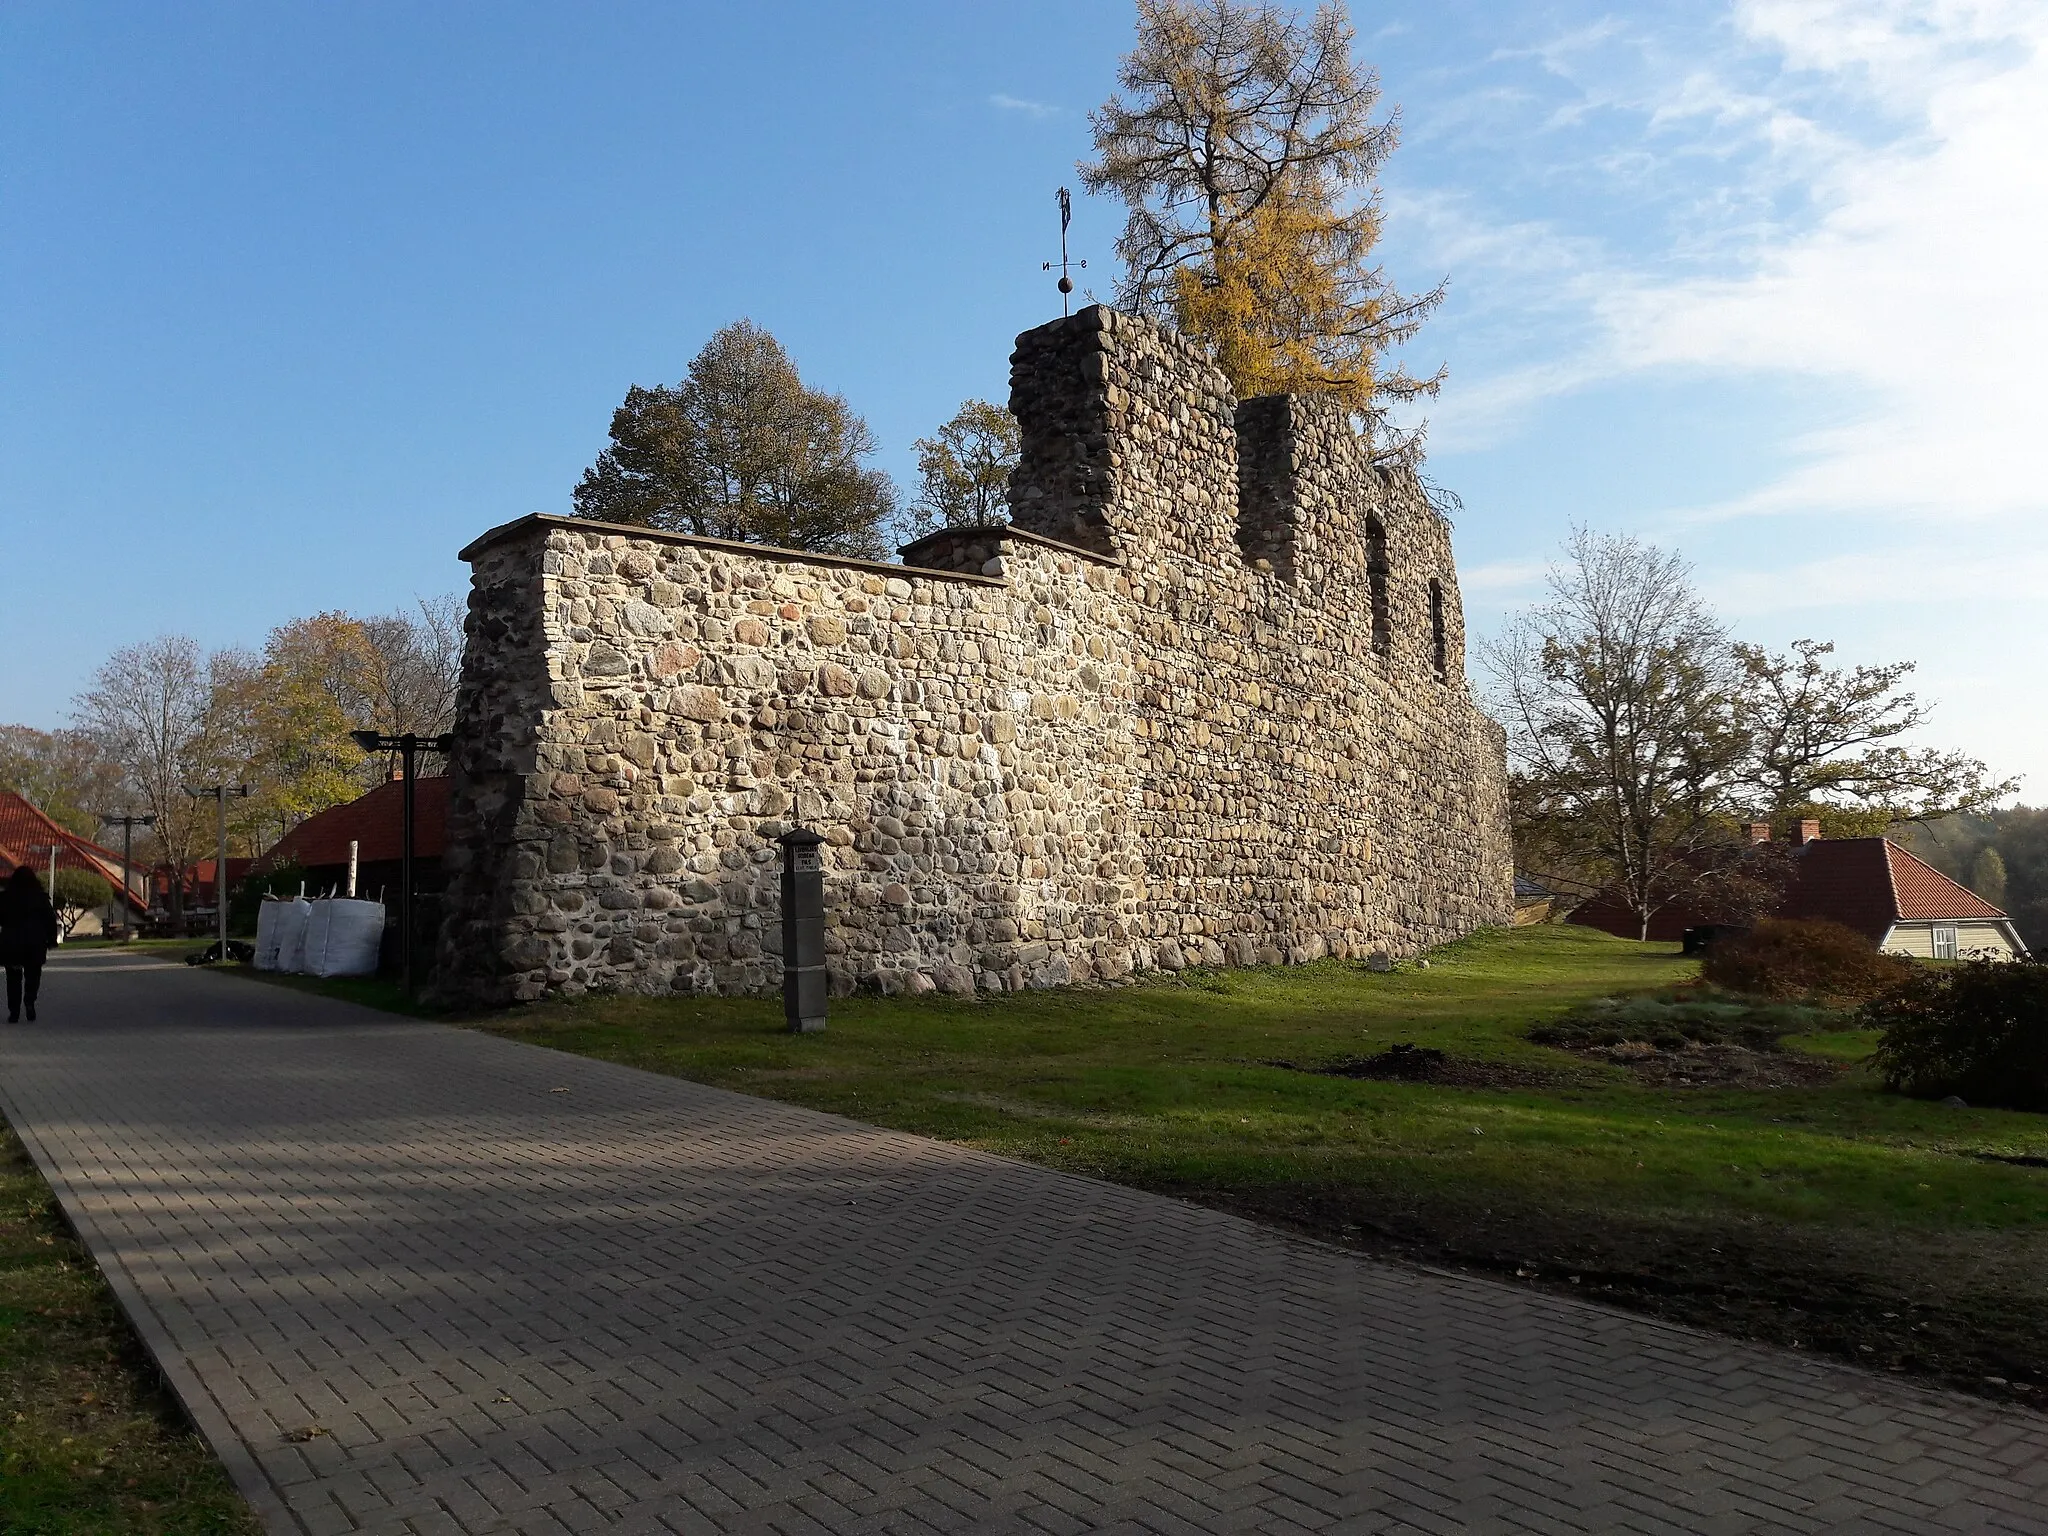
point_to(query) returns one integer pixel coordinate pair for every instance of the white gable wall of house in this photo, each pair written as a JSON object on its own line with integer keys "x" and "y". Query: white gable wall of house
{"x": 1987, "y": 938}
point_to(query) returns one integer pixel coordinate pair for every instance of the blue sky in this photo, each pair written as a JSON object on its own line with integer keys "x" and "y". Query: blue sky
{"x": 295, "y": 300}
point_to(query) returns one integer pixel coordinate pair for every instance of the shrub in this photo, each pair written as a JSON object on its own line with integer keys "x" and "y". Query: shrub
{"x": 1799, "y": 961}
{"x": 75, "y": 893}
{"x": 1978, "y": 1030}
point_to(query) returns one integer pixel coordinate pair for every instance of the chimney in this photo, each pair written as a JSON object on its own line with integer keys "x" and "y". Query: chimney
{"x": 1759, "y": 831}
{"x": 1809, "y": 831}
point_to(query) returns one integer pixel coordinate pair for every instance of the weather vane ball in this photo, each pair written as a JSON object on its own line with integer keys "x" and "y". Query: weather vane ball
{"x": 1066, "y": 281}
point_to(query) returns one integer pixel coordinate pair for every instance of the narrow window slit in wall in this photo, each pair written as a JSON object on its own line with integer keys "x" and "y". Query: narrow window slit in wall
{"x": 1439, "y": 641}
{"x": 1377, "y": 575}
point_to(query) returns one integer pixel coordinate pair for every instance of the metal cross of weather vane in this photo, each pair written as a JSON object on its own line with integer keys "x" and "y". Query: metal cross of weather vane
{"x": 1066, "y": 282}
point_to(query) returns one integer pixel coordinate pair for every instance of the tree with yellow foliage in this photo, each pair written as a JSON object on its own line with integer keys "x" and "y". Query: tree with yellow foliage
{"x": 1242, "y": 141}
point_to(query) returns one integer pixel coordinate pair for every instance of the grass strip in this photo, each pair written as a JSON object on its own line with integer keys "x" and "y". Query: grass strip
{"x": 91, "y": 1444}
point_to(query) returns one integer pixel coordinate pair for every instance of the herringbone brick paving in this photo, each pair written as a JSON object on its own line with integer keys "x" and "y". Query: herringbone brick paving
{"x": 515, "y": 1291}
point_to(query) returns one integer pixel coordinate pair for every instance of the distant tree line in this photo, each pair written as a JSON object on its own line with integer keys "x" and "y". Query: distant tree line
{"x": 166, "y": 713}
{"x": 2002, "y": 855}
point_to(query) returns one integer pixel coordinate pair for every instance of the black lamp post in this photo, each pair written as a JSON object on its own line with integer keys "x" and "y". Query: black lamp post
{"x": 407, "y": 746}
{"x": 218, "y": 794}
{"x": 128, "y": 824}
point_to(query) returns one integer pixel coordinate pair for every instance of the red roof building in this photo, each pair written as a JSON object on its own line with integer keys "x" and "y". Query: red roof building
{"x": 374, "y": 822}
{"x": 1870, "y": 884}
{"x": 199, "y": 882}
{"x": 26, "y": 837}
{"x": 1905, "y": 906}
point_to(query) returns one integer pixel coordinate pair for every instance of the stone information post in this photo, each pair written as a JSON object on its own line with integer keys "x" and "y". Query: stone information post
{"x": 804, "y": 980}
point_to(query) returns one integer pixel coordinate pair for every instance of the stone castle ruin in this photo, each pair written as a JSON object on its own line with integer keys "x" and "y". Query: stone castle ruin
{"x": 1202, "y": 702}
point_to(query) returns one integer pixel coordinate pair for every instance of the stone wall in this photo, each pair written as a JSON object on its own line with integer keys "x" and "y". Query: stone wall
{"x": 1149, "y": 724}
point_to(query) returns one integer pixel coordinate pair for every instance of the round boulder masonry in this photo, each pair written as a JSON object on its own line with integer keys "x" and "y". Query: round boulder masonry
{"x": 1185, "y": 709}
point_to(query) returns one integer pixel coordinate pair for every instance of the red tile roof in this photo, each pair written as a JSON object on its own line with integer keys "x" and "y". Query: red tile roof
{"x": 373, "y": 822}
{"x": 1865, "y": 883}
{"x": 26, "y": 835}
{"x": 1869, "y": 883}
{"x": 1927, "y": 893}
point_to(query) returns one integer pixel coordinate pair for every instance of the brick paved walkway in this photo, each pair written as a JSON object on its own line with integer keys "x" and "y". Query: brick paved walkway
{"x": 517, "y": 1291}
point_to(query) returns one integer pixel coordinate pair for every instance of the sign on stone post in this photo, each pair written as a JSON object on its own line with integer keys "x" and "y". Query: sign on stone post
{"x": 804, "y": 983}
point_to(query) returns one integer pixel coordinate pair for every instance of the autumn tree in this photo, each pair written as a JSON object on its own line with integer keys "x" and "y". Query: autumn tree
{"x": 319, "y": 678}
{"x": 1824, "y": 741}
{"x": 1619, "y": 701}
{"x": 964, "y": 469}
{"x": 151, "y": 710}
{"x": 1242, "y": 140}
{"x": 415, "y": 668}
{"x": 291, "y": 719}
{"x": 742, "y": 449}
{"x": 65, "y": 774}
{"x": 1643, "y": 739}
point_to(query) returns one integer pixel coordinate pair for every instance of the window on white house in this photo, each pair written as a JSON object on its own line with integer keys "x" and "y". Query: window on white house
{"x": 1944, "y": 942}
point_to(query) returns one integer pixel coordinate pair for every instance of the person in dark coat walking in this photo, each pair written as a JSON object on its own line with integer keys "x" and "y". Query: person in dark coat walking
{"x": 28, "y": 927}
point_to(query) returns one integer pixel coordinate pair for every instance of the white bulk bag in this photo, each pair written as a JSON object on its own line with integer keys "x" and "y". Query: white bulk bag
{"x": 285, "y": 924}
{"x": 344, "y": 937}
{"x": 266, "y": 934}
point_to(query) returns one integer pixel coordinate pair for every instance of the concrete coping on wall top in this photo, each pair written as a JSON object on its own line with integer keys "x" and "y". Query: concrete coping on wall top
{"x": 544, "y": 521}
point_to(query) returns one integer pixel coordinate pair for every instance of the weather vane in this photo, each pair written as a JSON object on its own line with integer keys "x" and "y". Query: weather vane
{"x": 1066, "y": 282}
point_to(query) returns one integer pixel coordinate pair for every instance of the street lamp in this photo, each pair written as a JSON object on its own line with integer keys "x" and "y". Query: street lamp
{"x": 55, "y": 849}
{"x": 407, "y": 746}
{"x": 128, "y": 824}
{"x": 219, "y": 793}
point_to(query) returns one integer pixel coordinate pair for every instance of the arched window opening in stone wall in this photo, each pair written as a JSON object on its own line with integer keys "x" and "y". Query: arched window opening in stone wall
{"x": 1439, "y": 642}
{"x": 1377, "y": 575}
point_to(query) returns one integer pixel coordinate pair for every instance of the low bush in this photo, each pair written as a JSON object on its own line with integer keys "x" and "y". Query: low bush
{"x": 1978, "y": 1030}
{"x": 1682, "y": 1016}
{"x": 1794, "y": 960}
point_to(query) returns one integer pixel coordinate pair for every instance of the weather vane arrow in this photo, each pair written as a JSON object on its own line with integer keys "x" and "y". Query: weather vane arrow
{"x": 1066, "y": 281}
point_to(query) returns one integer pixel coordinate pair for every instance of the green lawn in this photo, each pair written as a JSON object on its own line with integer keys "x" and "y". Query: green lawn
{"x": 1835, "y": 1216}
{"x": 89, "y": 1444}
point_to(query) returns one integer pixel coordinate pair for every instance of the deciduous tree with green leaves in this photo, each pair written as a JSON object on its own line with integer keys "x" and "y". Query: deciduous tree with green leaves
{"x": 742, "y": 449}
{"x": 1620, "y": 706}
{"x": 75, "y": 892}
{"x": 964, "y": 469}
{"x": 1987, "y": 875}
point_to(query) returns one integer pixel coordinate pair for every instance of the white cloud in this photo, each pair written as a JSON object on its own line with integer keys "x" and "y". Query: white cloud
{"x": 1906, "y": 277}
{"x": 1849, "y": 194}
{"x": 1919, "y": 287}
{"x": 1020, "y": 104}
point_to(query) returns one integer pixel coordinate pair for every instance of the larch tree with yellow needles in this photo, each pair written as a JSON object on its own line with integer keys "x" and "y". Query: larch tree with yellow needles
{"x": 1243, "y": 141}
